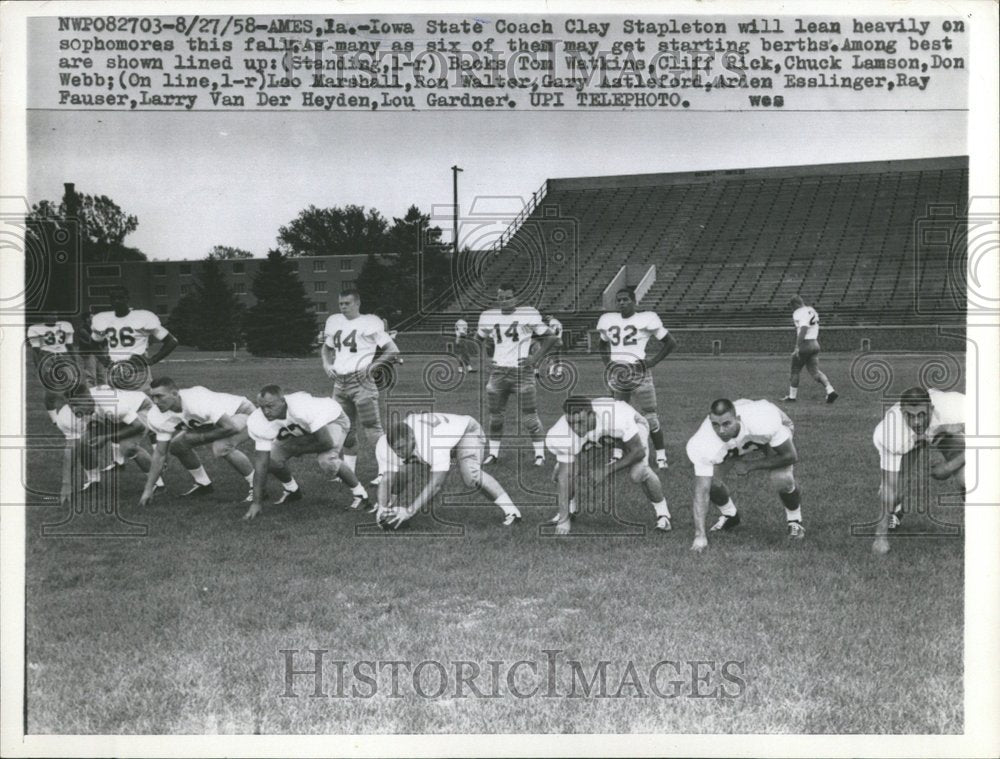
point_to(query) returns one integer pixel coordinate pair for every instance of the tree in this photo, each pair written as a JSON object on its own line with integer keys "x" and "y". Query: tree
{"x": 282, "y": 321}
{"x": 101, "y": 224}
{"x": 184, "y": 321}
{"x": 334, "y": 231}
{"x": 211, "y": 317}
{"x": 226, "y": 253}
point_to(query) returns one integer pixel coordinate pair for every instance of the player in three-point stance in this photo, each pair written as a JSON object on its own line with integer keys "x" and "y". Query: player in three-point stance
{"x": 624, "y": 335}
{"x": 186, "y": 418}
{"x": 431, "y": 439}
{"x": 464, "y": 347}
{"x": 285, "y": 426}
{"x": 509, "y": 328}
{"x": 586, "y": 421}
{"x": 922, "y": 420}
{"x": 51, "y": 344}
{"x": 92, "y": 418}
{"x": 806, "y": 353}
{"x": 351, "y": 342}
{"x": 125, "y": 332}
{"x": 730, "y": 432}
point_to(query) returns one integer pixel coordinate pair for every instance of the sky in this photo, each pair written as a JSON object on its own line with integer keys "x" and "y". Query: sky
{"x": 200, "y": 179}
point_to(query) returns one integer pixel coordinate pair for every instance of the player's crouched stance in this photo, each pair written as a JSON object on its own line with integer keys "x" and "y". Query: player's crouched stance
{"x": 432, "y": 439}
{"x": 185, "y": 418}
{"x": 588, "y": 421}
{"x": 91, "y": 419}
{"x": 922, "y": 420}
{"x": 297, "y": 424}
{"x": 731, "y": 431}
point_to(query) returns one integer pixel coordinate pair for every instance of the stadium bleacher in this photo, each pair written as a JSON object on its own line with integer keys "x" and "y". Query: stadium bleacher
{"x": 730, "y": 247}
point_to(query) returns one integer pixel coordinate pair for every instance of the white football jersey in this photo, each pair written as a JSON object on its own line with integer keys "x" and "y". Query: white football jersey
{"x": 200, "y": 407}
{"x": 761, "y": 424}
{"x": 894, "y": 438}
{"x": 807, "y": 317}
{"x": 434, "y": 437}
{"x": 628, "y": 337}
{"x": 69, "y": 424}
{"x": 511, "y": 333}
{"x": 306, "y": 414}
{"x": 51, "y": 337}
{"x": 461, "y": 328}
{"x": 354, "y": 341}
{"x": 122, "y": 406}
{"x": 127, "y": 335}
{"x": 615, "y": 419}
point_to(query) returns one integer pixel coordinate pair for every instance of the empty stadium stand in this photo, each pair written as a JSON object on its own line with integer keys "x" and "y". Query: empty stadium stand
{"x": 731, "y": 246}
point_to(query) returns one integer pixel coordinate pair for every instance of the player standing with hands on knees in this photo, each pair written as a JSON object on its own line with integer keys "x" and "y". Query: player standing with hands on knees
{"x": 806, "y": 354}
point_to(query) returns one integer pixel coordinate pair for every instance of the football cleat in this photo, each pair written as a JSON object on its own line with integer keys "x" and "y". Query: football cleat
{"x": 796, "y": 530}
{"x": 539, "y": 460}
{"x": 831, "y": 397}
{"x": 726, "y": 523}
{"x": 89, "y": 484}
{"x": 490, "y": 459}
{"x": 511, "y": 519}
{"x": 663, "y": 524}
{"x": 377, "y": 481}
{"x": 789, "y": 399}
{"x": 471, "y": 369}
{"x": 372, "y": 507}
{"x": 555, "y": 519}
{"x": 359, "y": 501}
{"x": 895, "y": 518}
{"x": 159, "y": 489}
{"x": 197, "y": 491}
{"x": 114, "y": 465}
{"x": 289, "y": 496}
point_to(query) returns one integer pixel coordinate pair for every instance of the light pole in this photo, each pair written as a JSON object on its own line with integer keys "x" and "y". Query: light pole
{"x": 454, "y": 194}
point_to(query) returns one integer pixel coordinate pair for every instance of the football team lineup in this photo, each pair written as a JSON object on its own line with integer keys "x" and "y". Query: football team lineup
{"x": 114, "y": 405}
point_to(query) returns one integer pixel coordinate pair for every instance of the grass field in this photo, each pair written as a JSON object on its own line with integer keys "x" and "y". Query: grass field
{"x": 181, "y": 630}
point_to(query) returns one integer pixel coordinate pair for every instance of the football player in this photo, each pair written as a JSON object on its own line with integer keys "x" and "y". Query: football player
{"x": 94, "y": 417}
{"x": 922, "y": 420}
{"x": 432, "y": 439}
{"x": 624, "y": 335}
{"x": 510, "y": 328}
{"x": 126, "y": 332}
{"x": 355, "y": 345}
{"x": 586, "y": 421}
{"x": 185, "y": 418}
{"x": 285, "y": 426}
{"x": 464, "y": 347}
{"x": 730, "y": 432}
{"x": 87, "y": 351}
{"x": 51, "y": 349}
{"x": 806, "y": 353}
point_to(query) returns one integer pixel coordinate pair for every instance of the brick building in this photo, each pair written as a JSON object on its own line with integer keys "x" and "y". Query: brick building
{"x": 158, "y": 285}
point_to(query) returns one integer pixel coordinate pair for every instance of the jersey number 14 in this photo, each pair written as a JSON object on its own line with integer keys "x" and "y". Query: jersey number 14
{"x": 510, "y": 332}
